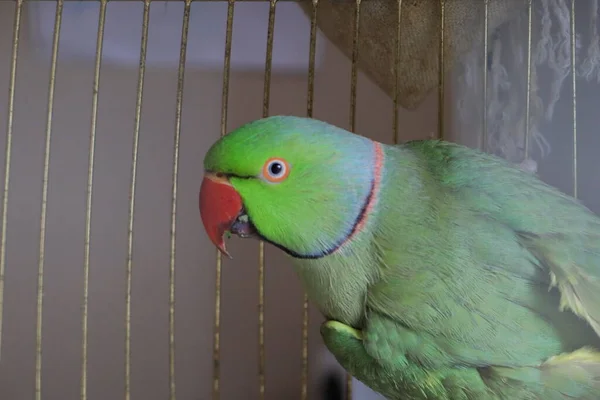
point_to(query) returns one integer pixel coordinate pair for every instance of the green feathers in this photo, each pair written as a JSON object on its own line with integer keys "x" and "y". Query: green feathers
{"x": 445, "y": 273}
{"x": 565, "y": 376}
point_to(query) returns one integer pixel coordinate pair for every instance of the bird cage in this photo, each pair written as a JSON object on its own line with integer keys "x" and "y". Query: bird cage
{"x": 110, "y": 289}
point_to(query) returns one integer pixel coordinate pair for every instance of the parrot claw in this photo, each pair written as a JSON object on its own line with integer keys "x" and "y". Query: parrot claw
{"x": 342, "y": 328}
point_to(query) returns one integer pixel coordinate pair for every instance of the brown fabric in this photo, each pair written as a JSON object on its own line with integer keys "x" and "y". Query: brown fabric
{"x": 419, "y": 41}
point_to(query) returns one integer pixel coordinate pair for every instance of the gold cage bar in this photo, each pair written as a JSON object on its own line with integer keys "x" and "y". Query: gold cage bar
{"x": 396, "y": 72}
{"x": 261, "y": 246}
{"x": 89, "y": 192}
{"x": 176, "y": 145}
{"x": 574, "y": 85}
{"x": 528, "y": 87}
{"x": 216, "y": 393}
{"x": 44, "y": 203}
{"x": 486, "y": 14}
{"x": 442, "y": 55}
{"x": 8, "y": 151}
{"x": 309, "y": 113}
{"x": 353, "y": 91}
{"x": 132, "y": 193}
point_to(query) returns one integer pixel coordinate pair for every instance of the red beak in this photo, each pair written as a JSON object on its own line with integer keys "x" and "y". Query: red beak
{"x": 220, "y": 205}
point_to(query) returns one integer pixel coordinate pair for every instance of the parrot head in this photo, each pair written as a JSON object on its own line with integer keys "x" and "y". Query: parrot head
{"x": 298, "y": 183}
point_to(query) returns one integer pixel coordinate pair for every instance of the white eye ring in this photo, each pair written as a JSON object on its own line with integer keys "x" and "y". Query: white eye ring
{"x": 276, "y": 170}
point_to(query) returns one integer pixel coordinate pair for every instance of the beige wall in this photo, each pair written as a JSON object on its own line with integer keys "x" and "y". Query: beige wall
{"x": 195, "y": 256}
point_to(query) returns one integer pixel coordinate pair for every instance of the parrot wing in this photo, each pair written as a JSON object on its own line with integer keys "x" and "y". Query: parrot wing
{"x": 574, "y": 267}
{"x": 557, "y": 230}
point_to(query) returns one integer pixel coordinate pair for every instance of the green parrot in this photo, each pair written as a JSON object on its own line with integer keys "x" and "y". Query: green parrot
{"x": 443, "y": 272}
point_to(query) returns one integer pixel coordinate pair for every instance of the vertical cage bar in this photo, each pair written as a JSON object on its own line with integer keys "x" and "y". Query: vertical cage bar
{"x": 353, "y": 91}
{"x": 44, "y": 203}
{"x": 311, "y": 59}
{"x": 309, "y": 112}
{"x": 8, "y": 150}
{"x": 442, "y": 55}
{"x": 528, "y": 96}
{"x": 132, "y": 193}
{"x": 216, "y": 394}
{"x": 396, "y": 71}
{"x": 574, "y": 84}
{"x": 354, "y": 72}
{"x": 89, "y": 192}
{"x": 176, "y": 144}
{"x": 484, "y": 133}
{"x": 261, "y": 246}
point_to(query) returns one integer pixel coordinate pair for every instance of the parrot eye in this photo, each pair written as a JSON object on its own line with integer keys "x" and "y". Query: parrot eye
{"x": 276, "y": 170}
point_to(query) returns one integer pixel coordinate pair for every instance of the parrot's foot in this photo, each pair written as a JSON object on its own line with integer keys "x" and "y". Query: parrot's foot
{"x": 341, "y": 329}
{"x": 346, "y": 344}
